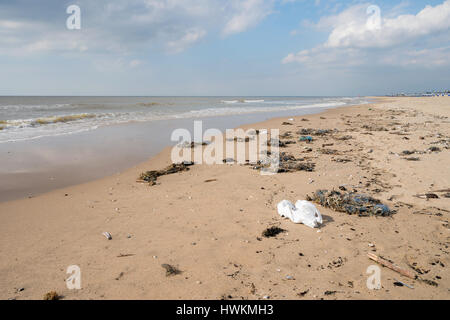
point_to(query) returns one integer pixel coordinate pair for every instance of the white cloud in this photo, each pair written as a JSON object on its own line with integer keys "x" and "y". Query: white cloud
{"x": 404, "y": 39}
{"x": 123, "y": 27}
{"x": 352, "y": 30}
{"x": 189, "y": 38}
{"x": 246, "y": 14}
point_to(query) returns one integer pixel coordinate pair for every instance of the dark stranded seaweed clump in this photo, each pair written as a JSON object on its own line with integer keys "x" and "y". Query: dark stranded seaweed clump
{"x": 152, "y": 176}
{"x": 351, "y": 203}
{"x": 272, "y": 232}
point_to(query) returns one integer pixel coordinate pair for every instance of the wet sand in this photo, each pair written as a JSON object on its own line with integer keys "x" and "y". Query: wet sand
{"x": 208, "y": 221}
{"x": 33, "y": 167}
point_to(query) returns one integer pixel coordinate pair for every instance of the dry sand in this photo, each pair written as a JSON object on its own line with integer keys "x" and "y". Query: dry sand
{"x": 211, "y": 231}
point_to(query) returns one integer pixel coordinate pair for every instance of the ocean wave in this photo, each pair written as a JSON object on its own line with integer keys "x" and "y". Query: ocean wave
{"x": 233, "y": 111}
{"x": 34, "y": 106}
{"x": 20, "y": 123}
{"x": 44, "y": 126}
{"x": 242, "y": 101}
{"x": 230, "y": 101}
{"x": 253, "y": 101}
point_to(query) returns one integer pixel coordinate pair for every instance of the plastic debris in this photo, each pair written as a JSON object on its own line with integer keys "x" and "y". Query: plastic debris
{"x": 351, "y": 203}
{"x": 107, "y": 235}
{"x": 303, "y": 212}
{"x": 306, "y": 138}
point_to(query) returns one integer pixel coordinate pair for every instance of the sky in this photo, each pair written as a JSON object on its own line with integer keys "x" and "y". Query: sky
{"x": 224, "y": 47}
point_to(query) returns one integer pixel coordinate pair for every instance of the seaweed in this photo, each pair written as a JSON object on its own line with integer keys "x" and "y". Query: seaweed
{"x": 170, "y": 270}
{"x": 315, "y": 132}
{"x": 272, "y": 232}
{"x": 288, "y": 163}
{"x": 344, "y": 138}
{"x": 329, "y": 151}
{"x": 192, "y": 144}
{"x": 64, "y": 119}
{"x": 351, "y": 203}
{"x": 152, "y": 176}
{"x": 434, "y": 149}
{"x": 52, "y": 295}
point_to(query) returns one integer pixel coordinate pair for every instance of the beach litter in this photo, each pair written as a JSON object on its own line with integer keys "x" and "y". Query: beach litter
{"x": 427, "y": 196}
{"x": 399, "y": 283}
{"x": 389, "y": 264}
{"x": 303, "y": 212}
{"x": 307, "y": 139}
{"x": 152, "y": 176}
{"x": 107, "y": 235}
{"x": 351, "y": 203}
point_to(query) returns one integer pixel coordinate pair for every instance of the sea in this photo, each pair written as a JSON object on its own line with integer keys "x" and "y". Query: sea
{"x": 26, "y": 118}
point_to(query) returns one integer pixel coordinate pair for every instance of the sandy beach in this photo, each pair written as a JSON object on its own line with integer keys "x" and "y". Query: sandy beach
{"x": 208, "y": 221}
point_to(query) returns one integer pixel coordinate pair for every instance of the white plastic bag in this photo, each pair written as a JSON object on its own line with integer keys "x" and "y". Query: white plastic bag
{"x": 285, "y": 209}
{"x": 303, "y": 212}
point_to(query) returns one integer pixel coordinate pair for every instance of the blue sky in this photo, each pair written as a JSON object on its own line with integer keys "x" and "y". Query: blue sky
{"x": 224, "y": 47}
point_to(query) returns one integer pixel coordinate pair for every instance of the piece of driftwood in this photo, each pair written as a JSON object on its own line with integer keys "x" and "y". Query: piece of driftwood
{"x": 391, "y": 266}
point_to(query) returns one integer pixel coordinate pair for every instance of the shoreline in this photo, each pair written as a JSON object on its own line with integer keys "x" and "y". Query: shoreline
{"x": 210, "y": 230}
{"x": 34, "y": 167}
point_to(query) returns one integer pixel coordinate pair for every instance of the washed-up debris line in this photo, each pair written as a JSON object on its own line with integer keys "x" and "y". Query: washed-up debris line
{"x": 191, "y": 145}
{"x": 329, "y": 151}
{"x": 152, "y": 176}
{"x": 285, "y": 135}
{"x": 351, "y": 203}
{"x": 315, "y": 132}
{"x": 373, "y": 127}
{"x": 344, "y": 138}
{"x": 286, "y": 163}
{"x": 280, "y": 143}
